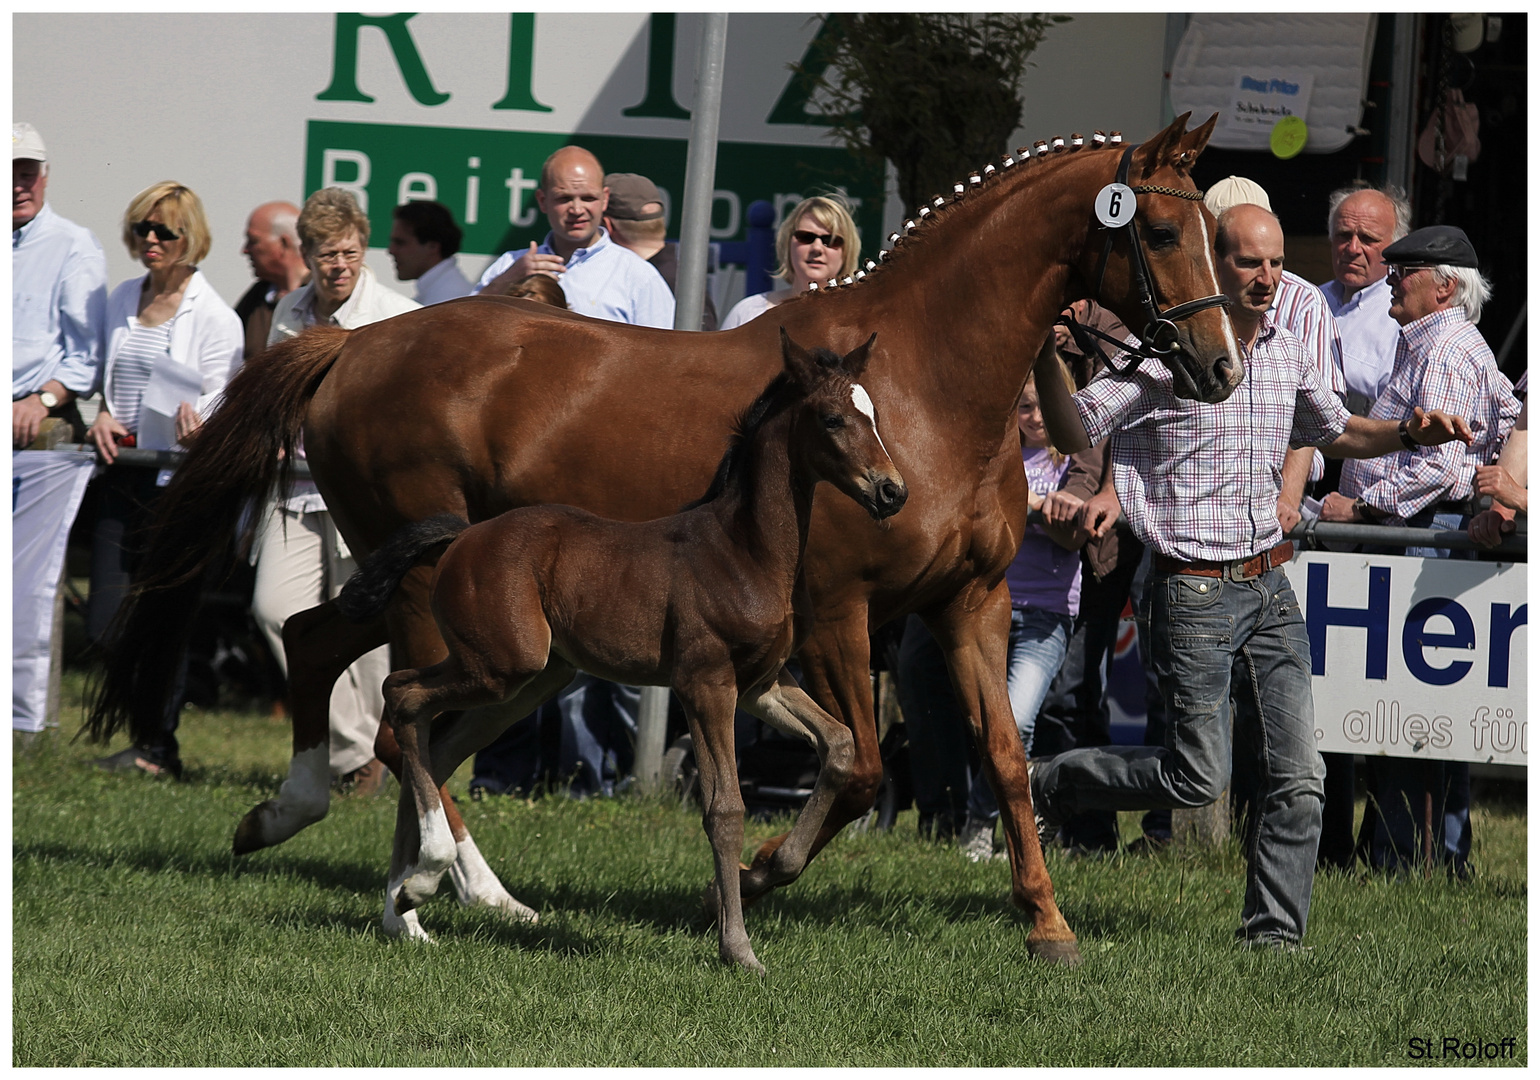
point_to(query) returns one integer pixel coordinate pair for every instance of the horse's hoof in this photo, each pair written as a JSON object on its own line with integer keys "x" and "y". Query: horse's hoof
{"x": 248, "y": 834}
{"x": 1065, "y": 953}
{"x": 510, "y": 908}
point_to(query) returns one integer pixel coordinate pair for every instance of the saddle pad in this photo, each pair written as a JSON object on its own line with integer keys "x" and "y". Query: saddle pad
{"x": 1335, "y": 49}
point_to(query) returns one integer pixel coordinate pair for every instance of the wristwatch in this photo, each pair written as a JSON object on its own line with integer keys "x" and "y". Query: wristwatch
{"x": 1362, "y": 511}
{"x": 49, "y": 399}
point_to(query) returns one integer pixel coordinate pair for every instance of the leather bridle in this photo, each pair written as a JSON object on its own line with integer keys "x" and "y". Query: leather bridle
{"x": 1159, "y": 339}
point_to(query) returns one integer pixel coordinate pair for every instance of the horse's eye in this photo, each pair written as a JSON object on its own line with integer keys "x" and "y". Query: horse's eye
{"x": 834, "y": 422}
{"x": 1162, "y": 236}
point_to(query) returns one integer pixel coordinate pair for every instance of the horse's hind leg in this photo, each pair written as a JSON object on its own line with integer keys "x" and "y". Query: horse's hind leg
{"x": 424, "y": 847}
{"x": 320, "y": 644}
{"x": 710, "y": 712}
{"x": 785, "y": 706}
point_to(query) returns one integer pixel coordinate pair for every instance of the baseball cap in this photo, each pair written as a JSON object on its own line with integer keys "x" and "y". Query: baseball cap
{"x": 26, "y": 143}
{"x": 633, "y": 197}
{"x": 1233, "y": 191}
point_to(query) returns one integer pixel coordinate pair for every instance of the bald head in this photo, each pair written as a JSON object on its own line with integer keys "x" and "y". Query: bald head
{"x": 573, "y": 198}
{"x": 1363, "y": 224}
{"x": 272, "y": 244}
{"x": 1249, "y": 244}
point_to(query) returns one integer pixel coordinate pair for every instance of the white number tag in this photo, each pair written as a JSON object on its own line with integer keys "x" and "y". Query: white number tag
{"x": 1115, "y": 205}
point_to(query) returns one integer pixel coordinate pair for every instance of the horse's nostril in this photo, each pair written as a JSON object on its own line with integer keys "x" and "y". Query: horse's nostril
{"x": 1223, "y": 367}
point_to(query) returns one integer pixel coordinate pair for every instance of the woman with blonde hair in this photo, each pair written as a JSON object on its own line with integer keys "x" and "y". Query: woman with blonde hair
{"x": 170, "y": 318}
{"x": 816, "y": 241}
{"x": 301, "y": 559}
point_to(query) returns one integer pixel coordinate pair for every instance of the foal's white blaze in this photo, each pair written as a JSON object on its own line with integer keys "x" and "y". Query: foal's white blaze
{"x": 863, "y": 403}
{"x": 1231, "y": 344}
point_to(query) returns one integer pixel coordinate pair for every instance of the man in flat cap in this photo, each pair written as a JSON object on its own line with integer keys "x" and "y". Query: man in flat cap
{"x": 1442, "y": 362}
{"x": 637, "y": 219}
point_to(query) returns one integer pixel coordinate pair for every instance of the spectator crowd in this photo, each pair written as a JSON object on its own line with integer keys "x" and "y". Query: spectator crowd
{"x": 1348, "y": 368}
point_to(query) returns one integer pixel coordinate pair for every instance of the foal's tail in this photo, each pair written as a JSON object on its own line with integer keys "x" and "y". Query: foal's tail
{"x": 234, "y": 461}
{"x": 369, "y": 590}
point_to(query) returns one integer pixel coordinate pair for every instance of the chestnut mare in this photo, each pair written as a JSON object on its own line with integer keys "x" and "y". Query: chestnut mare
{"x": 480, "y": 405}
{"x": 708, "y": 602}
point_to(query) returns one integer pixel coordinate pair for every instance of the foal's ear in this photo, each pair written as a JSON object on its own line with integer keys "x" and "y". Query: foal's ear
{"x": 1160, "y": 148}
{"x": 799, "y": 363}
{"x": 1195, "y": 140}
{"x": 853, "y": 363}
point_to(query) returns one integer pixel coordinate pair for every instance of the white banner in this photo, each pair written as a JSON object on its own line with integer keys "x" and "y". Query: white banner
{"x": 46, "y": 489}
{"x": 1420, "y": 658}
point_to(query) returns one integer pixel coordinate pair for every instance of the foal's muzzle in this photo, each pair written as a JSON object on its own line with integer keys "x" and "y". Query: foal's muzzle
{"x": 888, "y": 495}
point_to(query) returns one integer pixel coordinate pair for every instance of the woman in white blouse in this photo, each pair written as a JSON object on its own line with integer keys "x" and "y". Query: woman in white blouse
{"x": 816, "y": 241}
{"x": 169, "y": 319}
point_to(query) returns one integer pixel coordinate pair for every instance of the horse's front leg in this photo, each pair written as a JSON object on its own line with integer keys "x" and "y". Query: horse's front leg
{"x": 319, "y": 645}
{"x": 972, "y": 632}
{"x": 836, "y": 669}
{"x": 709, "y": 709}
{"x": 786, "y": 707}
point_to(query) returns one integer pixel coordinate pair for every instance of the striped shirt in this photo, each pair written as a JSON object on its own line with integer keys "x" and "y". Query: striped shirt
{"x": 1442, "y": 362}
{"x": 1299, "y": 308}
{"x": 131, "y": 366}
{"x": 1202, "y": 481}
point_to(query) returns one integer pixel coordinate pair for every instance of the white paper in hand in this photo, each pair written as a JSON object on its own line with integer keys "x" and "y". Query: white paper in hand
{"x": 170, "y": 384}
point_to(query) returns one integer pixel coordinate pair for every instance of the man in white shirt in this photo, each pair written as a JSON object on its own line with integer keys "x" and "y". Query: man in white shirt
{"x": 599, "y": 277}
{"x": 423, "y": 241}
{"x": 1360, "y": 222}
{"x": 603, "y": 280}
{"x": 58, "y": 297}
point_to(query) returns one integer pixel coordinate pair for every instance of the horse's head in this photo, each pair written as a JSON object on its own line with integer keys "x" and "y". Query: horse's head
{"x": 1155, "y": 268}
{"x": 836, "y": 429}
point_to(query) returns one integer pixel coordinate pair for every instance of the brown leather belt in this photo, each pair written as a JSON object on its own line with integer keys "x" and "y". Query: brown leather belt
{"x": 1234, "y": 570}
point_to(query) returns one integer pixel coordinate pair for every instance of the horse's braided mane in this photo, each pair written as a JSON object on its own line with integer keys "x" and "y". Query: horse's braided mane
{"x": 920, "y": 222}
{"x": 772, "y": 400}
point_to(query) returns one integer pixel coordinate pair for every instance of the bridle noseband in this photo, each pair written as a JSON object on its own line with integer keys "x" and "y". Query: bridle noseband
{"x": 1159, "y": 339}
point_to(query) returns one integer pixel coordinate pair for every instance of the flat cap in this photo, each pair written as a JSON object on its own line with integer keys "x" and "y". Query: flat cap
{"x": 26, "y": 143}
{"x": 1435, "y": 245}
{"x": 633, "y": 197}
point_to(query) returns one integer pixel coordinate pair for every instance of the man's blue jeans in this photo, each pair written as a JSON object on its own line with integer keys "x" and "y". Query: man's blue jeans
{"x": 1034, "y": 652}
{"x": 1213, "y": 641}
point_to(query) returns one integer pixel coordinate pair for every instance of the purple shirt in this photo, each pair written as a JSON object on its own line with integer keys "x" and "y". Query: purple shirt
{"x": 1043, "y": 574}
{"x": 1201, "y": 482}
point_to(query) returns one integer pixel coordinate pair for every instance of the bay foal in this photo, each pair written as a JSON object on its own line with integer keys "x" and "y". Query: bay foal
{"x": 709, "y": 602}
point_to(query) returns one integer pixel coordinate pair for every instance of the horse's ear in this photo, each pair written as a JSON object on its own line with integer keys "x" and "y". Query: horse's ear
{"x": 853, "y": 363}
{"x": 1159, "y": 148}
{"x": 1193, "y": 142}
{"x": 800, "y": 364}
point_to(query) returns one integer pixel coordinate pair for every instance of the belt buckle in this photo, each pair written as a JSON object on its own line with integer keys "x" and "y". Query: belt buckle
{"x": 1235, "y": 569}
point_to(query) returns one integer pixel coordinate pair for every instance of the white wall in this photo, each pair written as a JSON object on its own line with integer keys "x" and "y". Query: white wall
{"x": 220, "y": 102}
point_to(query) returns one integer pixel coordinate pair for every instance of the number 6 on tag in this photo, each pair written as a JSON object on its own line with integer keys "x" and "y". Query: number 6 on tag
{"x": 1115, "y": 205}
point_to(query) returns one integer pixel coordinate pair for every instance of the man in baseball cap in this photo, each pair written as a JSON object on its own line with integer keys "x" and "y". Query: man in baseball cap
{"x": 637, "y": 218}
{"x": 58, "y": 319}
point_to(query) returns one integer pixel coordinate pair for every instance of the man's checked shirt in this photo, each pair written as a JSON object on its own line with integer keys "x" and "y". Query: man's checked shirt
{"x": 1201, "y": 482}
{"x": 1442, "y": 362}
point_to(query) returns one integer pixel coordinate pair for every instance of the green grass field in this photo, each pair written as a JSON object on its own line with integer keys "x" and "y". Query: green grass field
{"x": 139, "y": 940}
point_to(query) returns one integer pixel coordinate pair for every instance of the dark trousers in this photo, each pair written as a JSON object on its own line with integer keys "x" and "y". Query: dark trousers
{"x": 1075, "y": 712}
{"x": 941, "y": 758}
{"x": 125, "y": 509}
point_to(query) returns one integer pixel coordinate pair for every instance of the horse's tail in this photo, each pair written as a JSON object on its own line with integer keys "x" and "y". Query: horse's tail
{"x": 240, "y": 456}
{"x": 369, "y": 590}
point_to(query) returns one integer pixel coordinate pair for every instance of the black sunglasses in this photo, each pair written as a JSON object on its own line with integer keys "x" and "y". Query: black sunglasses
{"x": 162, "y": 233}
{"x": 802, "y": 236}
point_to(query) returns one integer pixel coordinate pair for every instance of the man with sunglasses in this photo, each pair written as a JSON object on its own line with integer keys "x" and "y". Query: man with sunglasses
{"x": 1441, "y": 362}
{"x": 58, "y": 298}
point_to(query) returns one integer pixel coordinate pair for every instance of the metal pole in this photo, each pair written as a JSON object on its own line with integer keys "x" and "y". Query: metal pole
{"x": 1401, "y": 123}
{"x": 689, "y": 301}
{"x": 700, "y": 175}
